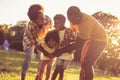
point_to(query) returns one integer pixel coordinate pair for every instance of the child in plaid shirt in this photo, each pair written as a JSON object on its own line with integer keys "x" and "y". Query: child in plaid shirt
{"x": 67, "y": 36}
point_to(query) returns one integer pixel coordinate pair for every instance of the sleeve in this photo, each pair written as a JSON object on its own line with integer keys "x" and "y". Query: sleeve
{"x": 43, "y": 45}
{"x": 32, "y": 32}
{"x": 69, "y": 37}
{"x": 70, "y": 34}
{"x": 45, "y": 52}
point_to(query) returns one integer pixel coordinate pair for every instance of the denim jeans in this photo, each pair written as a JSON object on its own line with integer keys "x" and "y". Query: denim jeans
{"x": 27, "y": 59}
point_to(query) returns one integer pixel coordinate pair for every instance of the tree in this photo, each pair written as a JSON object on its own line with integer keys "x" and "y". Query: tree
{"x": 111, "y": 24}
{"x": 110, "y": 58}
{"x": 3, "y": 33}
{"x": 16, "y": 37}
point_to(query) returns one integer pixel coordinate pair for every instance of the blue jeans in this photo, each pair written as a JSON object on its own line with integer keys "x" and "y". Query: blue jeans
{"x": 27, "y": 59}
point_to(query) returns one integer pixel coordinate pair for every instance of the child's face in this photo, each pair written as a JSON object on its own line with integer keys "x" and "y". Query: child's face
{"x": 59, "y": 25}
{"x": 51, "y": 43}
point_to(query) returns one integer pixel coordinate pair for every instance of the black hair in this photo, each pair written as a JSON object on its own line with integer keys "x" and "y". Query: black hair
{"x": 34, "y": 11}
{"x": 60, "y": 17}
{"x": 52, "y": 34}
{"x": 73, "y": 10}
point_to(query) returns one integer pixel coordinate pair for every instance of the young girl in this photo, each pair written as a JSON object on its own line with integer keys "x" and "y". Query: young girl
{"x": 67, "y": 36}
{"x": 49, "y": 46}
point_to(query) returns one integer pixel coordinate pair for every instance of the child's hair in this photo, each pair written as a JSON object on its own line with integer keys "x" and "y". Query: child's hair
{"x": 54, "y": 35}
{"x": 60, "y": 17}
{"x": 34, "y": 11}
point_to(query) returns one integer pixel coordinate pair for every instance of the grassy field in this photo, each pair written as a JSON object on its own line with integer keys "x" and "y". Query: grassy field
{"x": 10, "y": 68}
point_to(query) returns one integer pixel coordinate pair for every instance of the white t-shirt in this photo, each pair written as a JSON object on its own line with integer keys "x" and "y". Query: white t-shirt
{"x": 49, "y": 50}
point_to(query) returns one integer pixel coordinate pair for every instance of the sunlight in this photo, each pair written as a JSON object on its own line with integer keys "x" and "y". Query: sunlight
{"x": 19, "y": 11}
{"x": 115, "y": 42}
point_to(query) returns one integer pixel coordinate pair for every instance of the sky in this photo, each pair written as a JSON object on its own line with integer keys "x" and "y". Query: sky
{"x": 12, "y": 11}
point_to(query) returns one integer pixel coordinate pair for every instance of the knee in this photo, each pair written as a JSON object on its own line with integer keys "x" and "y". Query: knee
{"x": 28, "y": 58}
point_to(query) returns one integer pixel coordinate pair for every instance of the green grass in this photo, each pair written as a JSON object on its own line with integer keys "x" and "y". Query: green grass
{"x": 11, "y": 61}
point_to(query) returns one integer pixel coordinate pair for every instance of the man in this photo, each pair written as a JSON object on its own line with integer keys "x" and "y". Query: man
{"x": 36, "y": 26}
{"x": 92, "y": 37}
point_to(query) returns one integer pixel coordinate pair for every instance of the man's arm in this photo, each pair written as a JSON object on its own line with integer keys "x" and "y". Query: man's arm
{"x": 39, "y": 47}
{"x": 69, "y": 48}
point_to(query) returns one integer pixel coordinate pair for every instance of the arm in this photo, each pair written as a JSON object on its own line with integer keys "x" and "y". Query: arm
{"x": 32, "y": 30}
{"x": 79, "y": 43}
{"x": 44, "y": 51}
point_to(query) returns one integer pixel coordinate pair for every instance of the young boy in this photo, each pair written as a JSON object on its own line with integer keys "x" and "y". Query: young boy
{"x": 67, "y": 36}
{"x": 50, "y": 45}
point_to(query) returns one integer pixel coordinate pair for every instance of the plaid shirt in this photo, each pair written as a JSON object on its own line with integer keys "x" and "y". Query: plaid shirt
{"x": 69, "y": 37}
{"x": 30, "y": 36}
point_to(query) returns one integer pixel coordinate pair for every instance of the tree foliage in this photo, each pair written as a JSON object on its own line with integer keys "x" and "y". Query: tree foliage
{"x": 110, "y": 58}
{"x": 3, "y": 33}
{"x": 15, "y": 37}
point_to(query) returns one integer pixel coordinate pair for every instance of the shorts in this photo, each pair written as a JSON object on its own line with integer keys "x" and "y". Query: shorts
{"x": 63, "y": 63}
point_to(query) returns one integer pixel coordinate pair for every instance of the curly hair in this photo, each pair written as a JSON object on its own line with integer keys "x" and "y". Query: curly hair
{"x": 54, "y": 35}
{"x": 34, "y": 10}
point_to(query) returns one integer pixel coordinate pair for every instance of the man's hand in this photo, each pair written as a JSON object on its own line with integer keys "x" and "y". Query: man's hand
{"x": 57, "y": 53}
{"x": 45, "y": 52}
{"x": 51, "y": 56}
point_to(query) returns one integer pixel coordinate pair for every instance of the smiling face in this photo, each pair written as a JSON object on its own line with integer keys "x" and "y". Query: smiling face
{"x": 52, "y": 39}
{"x": 58, "y": 24}
{"x": 51, "y": 43}
{"x": 59, "y": 21}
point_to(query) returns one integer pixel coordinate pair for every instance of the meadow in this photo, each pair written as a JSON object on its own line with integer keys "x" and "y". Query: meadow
{"x": 11, "y": 61}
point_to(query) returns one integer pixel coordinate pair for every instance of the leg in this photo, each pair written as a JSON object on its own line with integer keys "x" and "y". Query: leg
{"x": 26, "y": 62}
{"x": 64, "y": 65}
{"x": 39, "y": 65}
{"x": 48, "y": 69}
{"x": 55, "y": 73}
{"x": 57, "y": 70}
{"x": 61, "y": 74}
{"x": 91, "y": 52}
{"x": 42, "y": 68}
